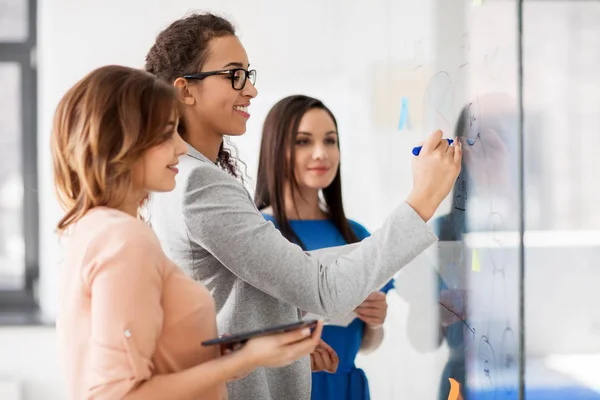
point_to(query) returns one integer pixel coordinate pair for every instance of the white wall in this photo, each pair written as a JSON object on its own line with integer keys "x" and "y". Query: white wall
{"x": 340, "y": 51}
{"x": 28, "y": 357}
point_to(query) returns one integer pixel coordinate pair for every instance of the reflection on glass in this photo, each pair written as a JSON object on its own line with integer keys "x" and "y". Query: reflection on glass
{"x": 477, "y": 268}
{"x": 472, "y": 94}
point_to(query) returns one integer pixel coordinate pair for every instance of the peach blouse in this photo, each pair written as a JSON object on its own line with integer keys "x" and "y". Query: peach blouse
{"x": 126, "y": 311}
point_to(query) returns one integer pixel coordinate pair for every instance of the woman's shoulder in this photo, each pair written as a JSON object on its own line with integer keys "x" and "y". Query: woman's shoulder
{"x": 267, "y": 212}
{"x": 104, "y": 226}
{"x": 201, "y": 170}
{"x": 108, "y": 239}
{"x": 358, "y": 229}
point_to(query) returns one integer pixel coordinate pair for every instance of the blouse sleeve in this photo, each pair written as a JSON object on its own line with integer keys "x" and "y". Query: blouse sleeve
{"x": 124, "y": 279}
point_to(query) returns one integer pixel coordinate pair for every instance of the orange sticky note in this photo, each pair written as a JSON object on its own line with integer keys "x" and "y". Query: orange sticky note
{"x": 454, "y": 390}
{"x": 475, "y": 264}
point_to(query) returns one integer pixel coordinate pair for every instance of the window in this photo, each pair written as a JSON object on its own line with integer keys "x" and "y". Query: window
{"x": 18, "y": 156}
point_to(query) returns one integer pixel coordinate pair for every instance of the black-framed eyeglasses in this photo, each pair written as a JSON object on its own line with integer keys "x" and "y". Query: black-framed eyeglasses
{"x": 238, "y": 76}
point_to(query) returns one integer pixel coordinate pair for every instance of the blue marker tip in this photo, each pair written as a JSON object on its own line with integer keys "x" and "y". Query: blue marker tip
{"x": 417, "y": 150}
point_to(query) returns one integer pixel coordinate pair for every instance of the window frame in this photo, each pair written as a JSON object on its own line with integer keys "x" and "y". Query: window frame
{"x": 21, "y": 307}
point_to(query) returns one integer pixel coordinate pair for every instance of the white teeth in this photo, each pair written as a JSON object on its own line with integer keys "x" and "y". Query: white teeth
{"x": 241, "y": 108}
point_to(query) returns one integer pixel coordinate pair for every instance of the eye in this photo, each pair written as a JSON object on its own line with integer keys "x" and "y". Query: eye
{"x": 169, "y": 135}
{"x": 235, "y": 75}
{"x": 302, "y": 142}
{"x": 331, "y": 141}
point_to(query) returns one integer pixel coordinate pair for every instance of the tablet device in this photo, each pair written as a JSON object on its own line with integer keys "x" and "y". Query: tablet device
{"x": 243, "y": 337}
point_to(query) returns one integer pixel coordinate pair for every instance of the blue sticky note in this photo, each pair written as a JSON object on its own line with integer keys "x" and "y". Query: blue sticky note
{"x": 403, "y": 124}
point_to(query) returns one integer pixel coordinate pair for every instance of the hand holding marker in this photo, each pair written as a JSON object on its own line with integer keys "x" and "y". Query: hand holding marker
{"x": 417, "y": 150}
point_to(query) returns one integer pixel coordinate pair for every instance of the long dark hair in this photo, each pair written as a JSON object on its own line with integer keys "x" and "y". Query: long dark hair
{"x": 278, "y": 139}
{"x": 182, "y": 48}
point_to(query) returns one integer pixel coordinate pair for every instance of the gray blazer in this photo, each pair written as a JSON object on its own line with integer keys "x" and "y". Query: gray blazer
{"x": 211, "y": 228}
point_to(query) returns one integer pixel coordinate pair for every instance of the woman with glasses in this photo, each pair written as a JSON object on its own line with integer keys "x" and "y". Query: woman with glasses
{"x": 211, "y": 227}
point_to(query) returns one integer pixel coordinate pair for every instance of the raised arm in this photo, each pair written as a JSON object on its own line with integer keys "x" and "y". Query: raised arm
{"x": 221, "y": 217}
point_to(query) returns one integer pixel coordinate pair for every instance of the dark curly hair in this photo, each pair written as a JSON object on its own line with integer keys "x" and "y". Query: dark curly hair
{"x": 182, "y": 48}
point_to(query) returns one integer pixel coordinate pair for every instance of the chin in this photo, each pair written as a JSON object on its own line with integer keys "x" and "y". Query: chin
{"x": 237, "y": 130}
{"x": 316, "y": 185}
{"x": 165, "y": 187}
{"x": 321, "y": 183}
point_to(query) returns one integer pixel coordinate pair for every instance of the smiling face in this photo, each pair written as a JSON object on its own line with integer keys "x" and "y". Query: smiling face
{"x": 156, "y": 170}
{"x": 214, "y": 105}
{"x": 316, "y": 150}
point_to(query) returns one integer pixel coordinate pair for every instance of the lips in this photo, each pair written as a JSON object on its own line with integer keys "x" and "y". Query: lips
{"x": 319, "y": 170}
{"x": 242, "y": 110}
{"x": 173, "y": 167}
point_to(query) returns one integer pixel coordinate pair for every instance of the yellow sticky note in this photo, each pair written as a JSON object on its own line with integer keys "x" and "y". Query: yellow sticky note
{"x": 475, "y": 264}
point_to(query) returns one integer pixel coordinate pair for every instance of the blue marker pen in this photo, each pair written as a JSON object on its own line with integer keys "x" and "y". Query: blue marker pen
{"x": 417, "y": 150}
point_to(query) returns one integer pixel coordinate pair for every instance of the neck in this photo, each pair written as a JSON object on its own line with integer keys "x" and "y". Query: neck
{"x": 132, "y": 204}
{"x": 304, "y": 204}
{"x": 206, "y": 141}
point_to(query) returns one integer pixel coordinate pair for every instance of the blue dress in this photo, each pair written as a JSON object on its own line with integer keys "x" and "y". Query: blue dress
{"x": 349, "y": 382}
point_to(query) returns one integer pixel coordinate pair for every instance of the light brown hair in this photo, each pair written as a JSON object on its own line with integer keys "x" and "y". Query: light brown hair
{"x": 102, "y": 127}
